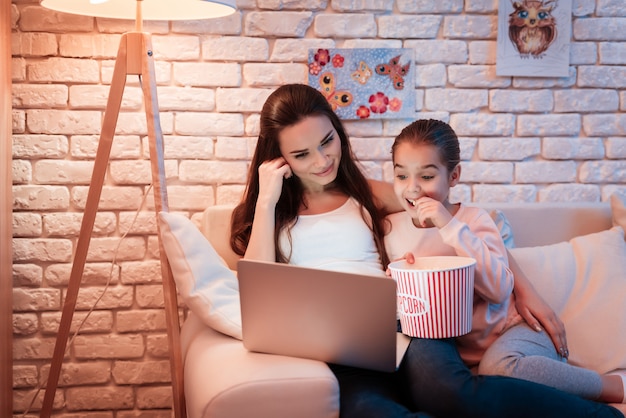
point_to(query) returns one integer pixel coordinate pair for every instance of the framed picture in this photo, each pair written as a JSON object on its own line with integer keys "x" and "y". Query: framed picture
{"x": 534, "y": 38}
{"x": 364, "y": 83}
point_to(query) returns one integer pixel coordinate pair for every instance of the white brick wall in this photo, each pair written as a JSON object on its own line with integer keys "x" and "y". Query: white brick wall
{"x": 522, "y": 139}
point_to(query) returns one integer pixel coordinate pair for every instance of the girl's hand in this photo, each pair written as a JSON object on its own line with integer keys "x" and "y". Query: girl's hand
{"x": 271, "y": 176}
{"x": 431, "y": 212}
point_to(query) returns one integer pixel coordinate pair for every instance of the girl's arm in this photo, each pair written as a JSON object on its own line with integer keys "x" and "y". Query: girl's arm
{"x": 478, "y": 237}
{"x": 534, "y": 309}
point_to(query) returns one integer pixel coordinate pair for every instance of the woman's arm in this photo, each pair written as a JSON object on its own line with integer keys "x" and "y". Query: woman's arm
{"x": 534, "y": 309}
{"x": 384, "y": 196}
{"x": 261, "y": 243}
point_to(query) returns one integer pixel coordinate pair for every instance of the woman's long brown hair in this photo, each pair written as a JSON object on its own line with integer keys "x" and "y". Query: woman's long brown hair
{"x": 286, "y": 106}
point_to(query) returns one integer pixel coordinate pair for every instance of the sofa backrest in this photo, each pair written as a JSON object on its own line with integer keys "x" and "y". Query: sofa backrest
{"x": 532, "y": 224}
{"x": 536, "y": 224}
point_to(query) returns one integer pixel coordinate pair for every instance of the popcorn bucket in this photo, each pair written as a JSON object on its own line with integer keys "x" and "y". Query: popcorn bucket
{"x": 435, "y": 295}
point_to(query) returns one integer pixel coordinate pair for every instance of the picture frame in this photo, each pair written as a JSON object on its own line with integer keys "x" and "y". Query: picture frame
{"x": 365, "y": 83}
{"x": 534, "y": 38}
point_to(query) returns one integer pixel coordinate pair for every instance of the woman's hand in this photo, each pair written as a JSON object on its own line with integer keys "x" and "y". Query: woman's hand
{"x": 271, "y": 176}
{"x": 408, "y": 257}
{"x": 536, "y": 311}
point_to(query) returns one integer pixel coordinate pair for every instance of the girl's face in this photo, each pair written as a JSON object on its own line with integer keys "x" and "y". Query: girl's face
{"x": 312, "y": 148}
{"x": 418, "y": 171}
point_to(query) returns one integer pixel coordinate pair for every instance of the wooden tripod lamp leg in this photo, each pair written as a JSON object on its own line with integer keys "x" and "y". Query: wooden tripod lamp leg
{"x": 134, "y": 57}
{"x": 155, "y": 137}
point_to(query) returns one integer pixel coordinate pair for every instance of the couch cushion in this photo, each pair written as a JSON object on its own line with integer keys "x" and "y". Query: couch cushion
{"x": 584, "y": 280}
{"x": 206, "y": 285}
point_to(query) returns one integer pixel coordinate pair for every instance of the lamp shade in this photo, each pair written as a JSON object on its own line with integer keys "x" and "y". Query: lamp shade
{"x": 151, "y": 9}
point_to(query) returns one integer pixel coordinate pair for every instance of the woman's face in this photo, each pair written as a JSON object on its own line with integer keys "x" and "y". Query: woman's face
{"x": 312, "y": 148}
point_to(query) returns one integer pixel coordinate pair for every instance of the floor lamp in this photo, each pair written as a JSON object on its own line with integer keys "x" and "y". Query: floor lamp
{"x": 134, "y": 57}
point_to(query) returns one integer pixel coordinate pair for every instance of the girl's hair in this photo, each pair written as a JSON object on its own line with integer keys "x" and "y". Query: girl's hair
{"x": 286, "y": 106}
{"x": 432, "y": 132}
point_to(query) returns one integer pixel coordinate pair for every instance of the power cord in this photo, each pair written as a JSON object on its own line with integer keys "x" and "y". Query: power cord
{"x": 106, "y": 287}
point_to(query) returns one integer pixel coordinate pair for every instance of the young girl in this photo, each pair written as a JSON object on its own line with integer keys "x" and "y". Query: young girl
{"x": 307, "y": 203}
{"x": 426, "y": 165}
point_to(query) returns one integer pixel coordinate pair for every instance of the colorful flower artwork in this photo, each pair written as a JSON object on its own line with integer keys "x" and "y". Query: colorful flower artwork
{"x": 365, "y": 83}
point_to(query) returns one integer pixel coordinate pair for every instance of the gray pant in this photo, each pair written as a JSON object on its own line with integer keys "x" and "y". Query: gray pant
{"x": 526, "y": 354}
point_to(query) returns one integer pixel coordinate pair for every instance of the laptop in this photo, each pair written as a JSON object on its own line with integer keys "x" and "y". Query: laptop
{"x": 334, "y": 317}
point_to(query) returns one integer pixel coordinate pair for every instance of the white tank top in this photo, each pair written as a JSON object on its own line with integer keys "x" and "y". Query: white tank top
{"x": 338, "y": 240}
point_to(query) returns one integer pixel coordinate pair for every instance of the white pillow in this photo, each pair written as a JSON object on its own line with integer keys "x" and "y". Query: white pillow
{"x": 206, "y": 285}
{"x": 551, "y": 269}
{"x": 584, "y": 280}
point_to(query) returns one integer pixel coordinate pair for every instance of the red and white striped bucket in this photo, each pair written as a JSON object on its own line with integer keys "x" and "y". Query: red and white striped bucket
{"x": 435, "y": 295}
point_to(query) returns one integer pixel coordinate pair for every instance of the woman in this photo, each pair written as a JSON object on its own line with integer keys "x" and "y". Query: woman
{"x": 307, "y": 203}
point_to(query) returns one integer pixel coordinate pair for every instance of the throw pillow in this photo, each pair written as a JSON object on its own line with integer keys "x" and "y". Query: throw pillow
{"x": 596, "y": 311}
{"x": 206, "y": 285}
{"x": 551, "y": 269}
{"x": 584, "y": 281}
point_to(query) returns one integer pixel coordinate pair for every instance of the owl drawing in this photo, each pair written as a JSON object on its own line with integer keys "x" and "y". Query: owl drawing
{"x": 532, "y": 28}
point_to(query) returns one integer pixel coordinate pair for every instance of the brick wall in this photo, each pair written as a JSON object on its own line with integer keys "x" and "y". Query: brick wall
{"x": 523, "y": 139}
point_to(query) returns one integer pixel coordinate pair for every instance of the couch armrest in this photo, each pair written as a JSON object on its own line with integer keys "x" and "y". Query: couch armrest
{"x": 224, "y": 380}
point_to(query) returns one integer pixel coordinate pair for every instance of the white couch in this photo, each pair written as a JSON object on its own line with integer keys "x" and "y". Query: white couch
{"x": 223, "y": 379}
